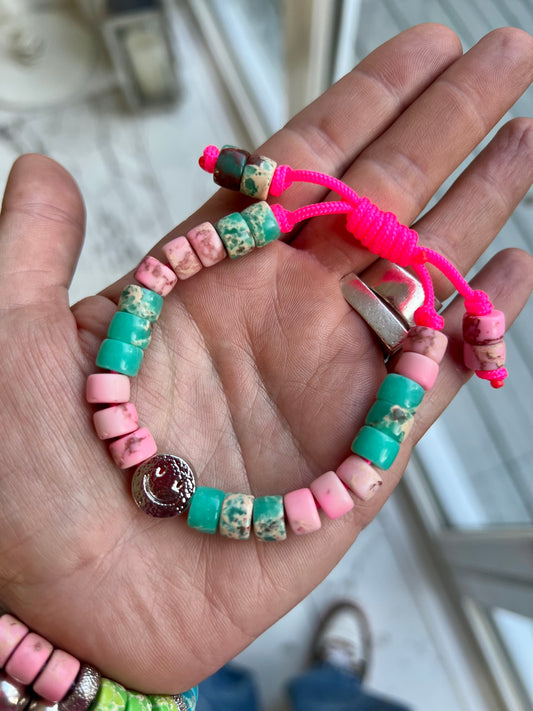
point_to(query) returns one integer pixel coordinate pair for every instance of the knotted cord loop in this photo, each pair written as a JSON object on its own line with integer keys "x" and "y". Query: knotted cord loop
{"x": 209, "y": 158}
{"x": 281, "y": 180}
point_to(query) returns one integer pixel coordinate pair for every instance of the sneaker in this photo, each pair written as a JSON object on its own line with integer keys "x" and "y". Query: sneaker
{"x": 343, "y": 638}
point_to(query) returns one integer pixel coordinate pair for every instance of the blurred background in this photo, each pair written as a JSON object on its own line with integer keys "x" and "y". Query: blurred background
{"x": 125, "y": 94}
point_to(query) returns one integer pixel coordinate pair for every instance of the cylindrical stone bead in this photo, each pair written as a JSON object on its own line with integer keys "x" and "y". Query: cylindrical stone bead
{"x": 393, "y": 420}
{"x": 484, "y": 330}
{"x": 426, "y": 341}
{"x": 155, "y": 276}
{"x": 230, "y": 167}
{"x": 262, "y": 223}
{"x": 236, "y": 516}
{"x": 116, "y": 420}
{"x": 138, "y": 702}
{"x": 84, "y": 691}
{"x": 12, "y": 632}
{"x": 377, "y": 447}
{"x": 188, "y": 699}
{"x": 159, "y": 702}
{"x": 206, "y": 242}
{"x": 257, "y": 176}
{"x": 269, "y": 519}
{"x": 57, "y": 677}
{"x": 301, "y": 511}
{"x": 235, "y": 234}
{"x": 132, "y": 449}
{"x": 417, "y": 367}
{"x": 131, "y": 329}
{"x": 332, "y": 495}
{"x": 29, "y": 658}
{"x": 400, "y": 390}
{"x": 488, "y": 357}
{"x": 141, "y": 302}
{"x": 204, "y": 511}
{"x": 120, "y": 357}
{"x": 108, "y": 388}
{"x": 360, "y": 477}
{"x": 110, "y": 697}
{"x": 182, "y": 257}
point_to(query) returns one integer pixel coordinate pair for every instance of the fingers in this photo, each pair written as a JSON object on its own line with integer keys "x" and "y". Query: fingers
{"x": 41, "y": 233}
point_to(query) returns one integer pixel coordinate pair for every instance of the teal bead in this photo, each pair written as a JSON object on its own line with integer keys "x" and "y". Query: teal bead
{"x": 269, "y": 520}
{"x": 204, "y": 511}
{"x": 141, "y": 302}
{"x": 393, "y": 420}
{"x": 235, "y": 234}
{"x": 129, "y": 328}
{"x": 119, "y": 357}
{"x": 262, "y": 223}
{"x": 189, "y": 698}
{"x": 230, "y": 167}
{"x": 400, "y": 390}
{"x": 375, "y": 446}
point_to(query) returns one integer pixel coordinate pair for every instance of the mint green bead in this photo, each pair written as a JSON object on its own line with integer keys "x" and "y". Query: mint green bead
{"x": 393, "y": 420}
{"x": 269, "y": 520}
{"x": 138, "y": 702}
{"x": 204, "y": 511}
{"x": 131, "y": 329}
{"x": 235, "y": 234}
{"x": 375, "y": 446}
{"x": 120, "y": 357}
{"x": 400, "y": 390}
{"x": 162, "y": 703}
{"x": 262, "y": 223}
{"x": 110, "y": 697}
{"x": 141, "y": 302}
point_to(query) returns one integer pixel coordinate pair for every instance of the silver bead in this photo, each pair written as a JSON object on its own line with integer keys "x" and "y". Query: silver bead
{"x": 14, "y": 696}
{"x": 84, "y": 691}
{"x": 38, "y": 704}
{"x": 180, "y": 703}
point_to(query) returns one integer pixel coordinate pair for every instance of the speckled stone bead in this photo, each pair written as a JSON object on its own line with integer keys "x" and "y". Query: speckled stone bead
{"x": 141, "y": 302}
{"x": 29, "y": 658}
{"x": 162, "y": 703}
{"x": 155, "y": 276}
{"x": 400, "y": 390}
{"x": 235, "y": 234}
{"x": 131, "y": 329}
{"x": 301, "y": 511}
{"x": 257, "y": 176}
{"x": 488, "y": 357}
{"x": 138, "y": 702}
{"x": 163, "y": 486}
{"x": 426, "y": 341}
{"x": 393, "y": 420}
{"x": 12, "y": 632}
{"x": 269, "y": 519}
{"x": 418, "y": 367}
{"x": 182, "y": 257}
{"x": 108, "y": 388}
{"x": 377, "y": 447}
{"x": 236, "y": 516}
{"x": 86, "y": 686}
{"x": 132, "y": 449}
{"x": 262, "y": 223}
{"x": 360, "y": 477}
{"x": 57, "y": 676}
{"x": 332, "y": 495}
{"x": 110, "y": 697}
{"x": 484, "y": 330}
{"x": 14, "y": 696}
{"x": 116, "y": 420}
{"x": 120, "y": 357}
{"x": 205, "y": 241}
{"x": 204, "y": 511}
{"x": 230, "y": 167}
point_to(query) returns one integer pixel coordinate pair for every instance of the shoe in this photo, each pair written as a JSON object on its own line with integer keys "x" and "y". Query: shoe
{"x": 343, "y": 638}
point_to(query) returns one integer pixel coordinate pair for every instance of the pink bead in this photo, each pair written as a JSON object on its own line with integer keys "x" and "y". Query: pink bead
{"x": 12, "y": 631}
{"x": 301, "y": 511}
{"x": 360, "y": 476}
{"x": 134, "y": 448}
{"x": 331, "y": 494}
{"x": 483, "y": 330}
{"x": 417, "y": 367}
{"x": 57, "y": 677}
{"x": 108, "y": 388}
{"x": 29, "y": 658}
{"x": 182, "y": 258}
{"x": 426, "y": 341}
{"x": 152, "y": 274}
{"x": 207, "y": 244}
{"x": 489, "y": 357}
{"x": 115, "y": 421}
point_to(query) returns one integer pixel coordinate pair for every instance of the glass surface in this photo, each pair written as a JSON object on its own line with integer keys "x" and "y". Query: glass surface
{"x": 516, "y": 633}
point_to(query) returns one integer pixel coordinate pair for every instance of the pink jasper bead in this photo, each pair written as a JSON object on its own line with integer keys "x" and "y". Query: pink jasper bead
{"x": 152, "y": 274}
{"x": 484, "y": 330}
{"x": 108, "y": 388}
{"x": 115, "y": 421}
{"x": 426, "y": 341}
{"x": 57, "y": 677}
{"x": 207, "y": 244}
{"x": 331, "y": 494}
{"x": 489, "y": 357}
{"x": 12, "y": 631}
{"x": 301, "y": 511}
{"x": 417, "y": 367}
{"x": 182, "y": 258}
{"x": 29, "y": 658}
{"x": 134, "y": 448}
{"x": 360, "y": 476}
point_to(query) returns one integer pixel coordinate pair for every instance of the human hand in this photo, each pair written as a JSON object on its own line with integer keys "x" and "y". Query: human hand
{"x": 259, "y": 373}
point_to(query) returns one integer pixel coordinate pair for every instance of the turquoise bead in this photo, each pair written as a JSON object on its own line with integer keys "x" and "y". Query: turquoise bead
{"x": 204, "y": 511}
{"x": 230, "y": 167}
{"x": 235, "y": 234}
{"x": 129, "y": 328}
{"x": 393, "y": 420}
{"x": 269, "y": 520}
{"x": 262, "y": 223}
{"x": 119, "y": 357}
{"x": 141, "y": 302}
{"x": 375, "y": 446}
{"x": 189, "y": 698}
{"x": 400, "y": 390}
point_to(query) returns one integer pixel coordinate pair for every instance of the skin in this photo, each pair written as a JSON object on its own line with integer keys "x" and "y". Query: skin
{"x": 259, "y": 373}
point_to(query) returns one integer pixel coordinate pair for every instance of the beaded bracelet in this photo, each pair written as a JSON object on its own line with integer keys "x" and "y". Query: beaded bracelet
{"x": 164, "y": 485}
{"x": 34, "y": 674}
